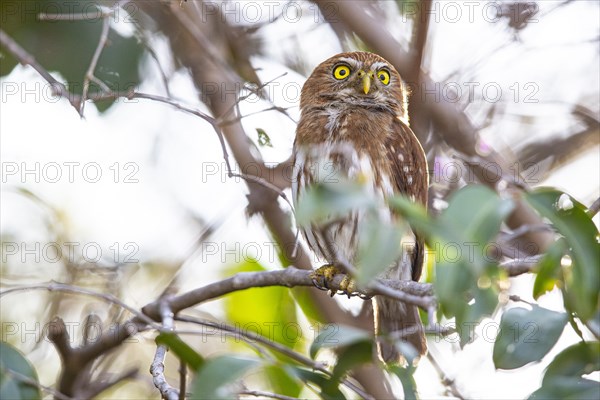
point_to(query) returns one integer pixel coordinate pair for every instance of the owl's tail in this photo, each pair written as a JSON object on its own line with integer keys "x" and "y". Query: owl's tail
{"x": 397, "y": 318}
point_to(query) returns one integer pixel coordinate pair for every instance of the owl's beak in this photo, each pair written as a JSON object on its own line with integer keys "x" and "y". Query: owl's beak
{"x": 366, "y": 83}
{"x": 366, "y": 80}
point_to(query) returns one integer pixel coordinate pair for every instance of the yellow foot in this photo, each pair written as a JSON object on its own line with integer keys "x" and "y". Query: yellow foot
{"x": 323, "y": 278}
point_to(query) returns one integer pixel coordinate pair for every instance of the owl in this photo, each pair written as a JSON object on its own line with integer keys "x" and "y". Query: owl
{"x": 354, "y": 122}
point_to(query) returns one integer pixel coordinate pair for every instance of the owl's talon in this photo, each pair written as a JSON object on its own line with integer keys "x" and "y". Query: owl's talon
{"x": 318, "y": 284}
{"x": 323, "y": 276}
{"x": 363, "y": 296}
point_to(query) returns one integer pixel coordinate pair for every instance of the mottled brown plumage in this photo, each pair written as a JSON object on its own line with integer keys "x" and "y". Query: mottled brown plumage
{"x": 354, "y": 123}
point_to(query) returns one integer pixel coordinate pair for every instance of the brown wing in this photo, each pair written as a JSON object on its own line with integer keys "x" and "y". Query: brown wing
{"x": 409, "y": 169}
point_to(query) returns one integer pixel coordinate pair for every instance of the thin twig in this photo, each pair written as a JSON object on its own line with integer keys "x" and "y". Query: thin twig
{"x": 518, "y": 299}
{"x": 593, "y": 210}
{"x": 26, "y": 58}
{"x": 25, "y": 379}
{"x": 157, "y": 368}
{"x": 449, "y": 383}
{"x": 96, "y": 388}
{"x": 262, "y": 393}
{"x": 182, "y": 379}
{"x": 89, "y": 75}
{"x": 251, "y": 336}
{"x": 61, "y": 287}
{"x": 102, "y": 12}
{"x": 521, "y": 266}
{"x": 525, "y": 229}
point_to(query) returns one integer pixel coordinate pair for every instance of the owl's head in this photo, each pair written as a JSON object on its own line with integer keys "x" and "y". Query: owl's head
{"x": 355, "y": 79}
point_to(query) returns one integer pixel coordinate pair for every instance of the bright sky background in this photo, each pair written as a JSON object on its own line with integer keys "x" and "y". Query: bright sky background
{"x": 173, "y": 156}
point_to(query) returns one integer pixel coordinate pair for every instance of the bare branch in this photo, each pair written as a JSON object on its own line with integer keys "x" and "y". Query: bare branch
{"x": 89, "y": 75}
{"x": 254, "y": 337}
{"x": 96, "y": 388}
{"x": 521, "y": 266}
{"x": 25, "y": 379}
{"x": 157, "y": 368}
{"x": 593, "y": 210}
{"x": 60, "y": 287}
{"x": 182, "y": 379}
{"x": 291, "y": 277}
{"x": 26, "y": 58}
{"x": 448, "y": 382}
{"x": 262, "y": 393}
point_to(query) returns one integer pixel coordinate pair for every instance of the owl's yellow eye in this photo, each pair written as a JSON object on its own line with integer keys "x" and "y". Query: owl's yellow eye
{"x": 384, "y": 76}
{"x": 341, "y": 72}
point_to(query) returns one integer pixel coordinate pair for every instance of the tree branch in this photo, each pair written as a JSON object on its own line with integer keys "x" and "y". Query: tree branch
{"x": 419, "y": 294}
{"x": 27, "y": 59}
{"x": 251, "y": 337}
{"x": 157, "y": 368}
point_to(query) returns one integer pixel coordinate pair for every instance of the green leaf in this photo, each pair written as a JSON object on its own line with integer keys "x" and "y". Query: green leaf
{"x": 254, "y": 310}
{"x": 330, "y": 200}
{"x": 580, "y": 359}
{"x": 215, "y": 374}
{"x": 548, "y": 269}
{"x": 181, "y": 349}
{"x": 563, "y": 377}
{"x": 13, "y": 364}
{"x": 485, "y": 303}
{"x": 282, "y": 382}
{"x": 571, "y": 220}
{"x": 567, "y": 388}
{"x": 476, "y": 212}
{"x": 379, "y": 247}
{"x": 458, "y": 240}
{"x": 335, "y": 335}
{"x": 453, "y": 280}
{"x": 526, "y": 336}
{"x": 329, "y": 388}
{"x": 354, "y": 355}
{"x": 407, "y": 379}
{"x": 417, "y": 217}
{"x": 263, "y": 138}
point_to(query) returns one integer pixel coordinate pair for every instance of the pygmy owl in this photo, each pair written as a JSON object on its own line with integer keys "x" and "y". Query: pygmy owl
{"x": 354, "y": 119}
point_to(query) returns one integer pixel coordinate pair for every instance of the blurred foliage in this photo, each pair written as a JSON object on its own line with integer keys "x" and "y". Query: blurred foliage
{"x": 252, "y": 309}
{"x": 569, "y": 218}
{"x": 213, "y": 379}
{"x": 461, "y": 240}
{"x": 467, "y": 277}
{"x": 67, "y": 46}
{"x": 181, "y": 349}
{"x": 14, "y": 369}
{"x": 563, "y": 378}
{"x": 519, "y": 341}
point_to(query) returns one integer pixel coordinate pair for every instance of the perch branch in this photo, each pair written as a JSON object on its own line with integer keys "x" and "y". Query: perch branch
{"x": 291, "y": 277}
